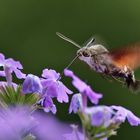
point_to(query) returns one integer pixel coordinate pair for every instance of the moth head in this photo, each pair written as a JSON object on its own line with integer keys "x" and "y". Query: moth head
{"x": 87, "y": 51}
{"x": 83, "y": 52}
{"x": 91, "y": 49}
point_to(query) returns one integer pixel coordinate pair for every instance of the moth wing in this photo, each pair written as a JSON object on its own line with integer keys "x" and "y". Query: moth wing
{"x": 127, "y": 56}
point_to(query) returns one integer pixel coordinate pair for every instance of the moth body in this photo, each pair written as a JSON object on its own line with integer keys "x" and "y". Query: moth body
{"x": 118, "y": 64}
{"x": 96, "y": 56}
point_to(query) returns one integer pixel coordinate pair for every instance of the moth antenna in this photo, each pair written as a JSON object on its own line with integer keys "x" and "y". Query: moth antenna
{"x": 92, "y": 40}
{"x": 68, "y": 40}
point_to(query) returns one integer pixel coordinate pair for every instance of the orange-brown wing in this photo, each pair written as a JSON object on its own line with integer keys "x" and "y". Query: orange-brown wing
{"x": 127, "y": 56}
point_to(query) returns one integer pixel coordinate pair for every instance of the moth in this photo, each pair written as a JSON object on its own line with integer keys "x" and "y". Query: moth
{"x": 118, "y": 64}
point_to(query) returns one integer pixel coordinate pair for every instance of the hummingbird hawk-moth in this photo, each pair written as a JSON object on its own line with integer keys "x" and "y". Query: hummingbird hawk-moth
{"x": 118, "y": 64}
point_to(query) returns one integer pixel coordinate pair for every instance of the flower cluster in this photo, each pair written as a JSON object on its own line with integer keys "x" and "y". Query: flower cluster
{"x": 48, "y": 86}
{"x": 99, "y": 122}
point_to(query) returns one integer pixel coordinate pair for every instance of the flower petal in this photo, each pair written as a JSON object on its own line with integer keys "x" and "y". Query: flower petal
{"x": 48, "y": 105}
{"x": 2, "y": 73}
{"x": 19, "y": 74}
{"x": 93, "y": 96}
{"x": 100, "y": 115}
{"x": 83, "y": 87}
{"x": 2, "y": 59}
{"x": 75, "y": 135}
{"x": 50, "y": 74}
{"x": 132, "y": 119}
{"x": 76, "y": 103}
{"x": 123, "y": 113}
{"x": 32, "y": 84}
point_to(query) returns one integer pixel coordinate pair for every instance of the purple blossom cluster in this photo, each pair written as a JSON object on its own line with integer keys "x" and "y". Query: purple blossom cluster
{"x": 98, "y": 116}
{"x": 48, "y": 87}
{"x": 98, "y": 121}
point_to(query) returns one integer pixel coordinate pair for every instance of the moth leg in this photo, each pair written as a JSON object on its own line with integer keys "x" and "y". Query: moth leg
{"x": 130, "y": 78}
{"x": 108, "y": 71}
{"x": 116, "y": 79}
{"x": 105, "y": 77}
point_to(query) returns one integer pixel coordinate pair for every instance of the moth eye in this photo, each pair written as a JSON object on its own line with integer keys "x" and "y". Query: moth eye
{"x": 79, "y": 54}
{"x": 85, "y": 54}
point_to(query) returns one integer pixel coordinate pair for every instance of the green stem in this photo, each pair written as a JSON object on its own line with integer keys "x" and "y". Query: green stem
{"x": 83, "y": 120}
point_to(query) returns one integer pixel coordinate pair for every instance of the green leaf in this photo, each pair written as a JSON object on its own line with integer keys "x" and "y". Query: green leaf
{"x": 10, "y": 96}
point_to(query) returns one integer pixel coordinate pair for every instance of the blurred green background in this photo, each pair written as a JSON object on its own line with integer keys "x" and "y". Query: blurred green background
{"x": 27, "y": 33}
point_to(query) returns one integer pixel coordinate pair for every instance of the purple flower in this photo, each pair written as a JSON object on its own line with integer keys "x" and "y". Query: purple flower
{"x": 100, "y": 115}
{"x": 9, "y": 66}
{"x": 49, "y": 128}
{"x": 32, "y": 84}
{"x": 122, "y": 114}
{"x": 14, "y": 66}
{"x": 83, "y": 88}
{"x": 53, "y": 87}
{"x": 76, "y": 103}
{"x": 105, "y": 115}
{"x": 47, "y": 104}
{"x": 15, "y": 123}
{"x": 75, "y": 135}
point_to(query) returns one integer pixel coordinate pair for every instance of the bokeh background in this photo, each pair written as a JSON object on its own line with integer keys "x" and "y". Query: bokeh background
{"x": 27, "y": 33}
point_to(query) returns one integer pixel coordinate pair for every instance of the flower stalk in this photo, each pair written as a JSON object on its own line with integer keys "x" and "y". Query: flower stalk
{"x": 8, "y": 75}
